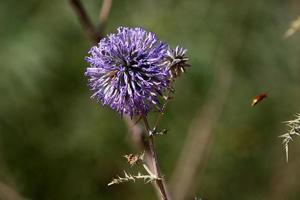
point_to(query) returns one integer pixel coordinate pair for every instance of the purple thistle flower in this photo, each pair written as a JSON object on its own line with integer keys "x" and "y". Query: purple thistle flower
{"x": 127, "y": 71}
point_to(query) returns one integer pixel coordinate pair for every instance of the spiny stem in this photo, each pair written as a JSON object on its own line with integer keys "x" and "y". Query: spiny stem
{"x": 162, "y": 112}
{"x": 159, "y": 182}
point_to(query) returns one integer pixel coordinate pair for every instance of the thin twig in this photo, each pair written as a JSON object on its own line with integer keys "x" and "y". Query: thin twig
{"x": 200, "y": 134}
{"x": 85, "y": 21}
{"x": 8, "y": 193}
{"x": 284, "y": 181}
{"x": 163, "y": 109}
{"x": 160, "y": 183}
{"x": 199, "y": 139}
{"x": 103, "y": 15}
{"x": 294, "y": 27}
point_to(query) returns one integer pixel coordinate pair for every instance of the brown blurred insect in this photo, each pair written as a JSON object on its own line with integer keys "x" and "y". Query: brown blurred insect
{"x": 134, "y": 159}
{"x": 258, "y": 98}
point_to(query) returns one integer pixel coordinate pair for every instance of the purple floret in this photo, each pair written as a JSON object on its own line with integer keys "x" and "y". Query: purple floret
{"x": 127, "y": 71}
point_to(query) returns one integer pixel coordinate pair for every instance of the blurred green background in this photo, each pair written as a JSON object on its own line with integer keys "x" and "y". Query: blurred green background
{"x": 57, "y": 144}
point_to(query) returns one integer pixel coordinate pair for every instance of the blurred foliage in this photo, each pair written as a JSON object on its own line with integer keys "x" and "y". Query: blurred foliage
{"x": 55, "y": 143}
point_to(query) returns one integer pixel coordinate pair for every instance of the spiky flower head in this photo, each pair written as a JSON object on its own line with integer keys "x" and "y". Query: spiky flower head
{"x": 294, "y": 129}
{"x": 127, "y": 71}
{"x": 176, "y": 61}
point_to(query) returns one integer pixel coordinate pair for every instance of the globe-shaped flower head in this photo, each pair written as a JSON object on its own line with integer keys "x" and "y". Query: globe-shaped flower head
{"x": 127, "y": 71}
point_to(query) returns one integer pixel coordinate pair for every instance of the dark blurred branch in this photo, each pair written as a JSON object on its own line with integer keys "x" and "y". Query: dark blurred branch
{"x": 85, "y": 21}
{"x": 7, "y": 193}
{"x": 103, "y": 15}
{"x": 196, "y": 148}
{"x": 193, "y": 156}
{"x": 285, "y": 180}
{"x": 136, "y": 133}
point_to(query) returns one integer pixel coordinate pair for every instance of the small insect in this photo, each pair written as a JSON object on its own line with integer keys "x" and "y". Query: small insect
{"x": 258, "y": 98}
{"x": 134, "y": 159}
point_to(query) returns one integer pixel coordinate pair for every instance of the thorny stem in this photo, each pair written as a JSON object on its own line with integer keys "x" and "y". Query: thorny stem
{"x": 162, "y": 112}
{"x": 94, "y": 36}
{"x": 163, "y": 109}
{"x": 159, "y": 182}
